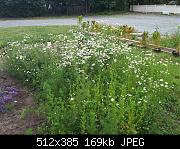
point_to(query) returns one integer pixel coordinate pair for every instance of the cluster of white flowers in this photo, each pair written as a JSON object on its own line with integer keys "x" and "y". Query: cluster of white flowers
{"x": 78, "y": 48}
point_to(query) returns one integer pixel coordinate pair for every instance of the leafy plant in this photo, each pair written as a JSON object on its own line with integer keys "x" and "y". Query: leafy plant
{"x": 80, "y": 19}
{"x": 145, "y": 39}
{"x": 156, "y": 36}
{"x": 127, "y": 30}
{"x": 85, "y": 25}
{"x": 29, "y": 131}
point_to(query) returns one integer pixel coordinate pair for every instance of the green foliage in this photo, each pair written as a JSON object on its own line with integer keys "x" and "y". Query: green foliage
{"x": 29, "y": 131}
{"x": 9, "y": 106}
{"x": 22, "y": 8}
{"x": 172, "y": 41}
{"x": 127, "y": 30}
{"x": 84, "y": 25}
{"x": 107, "y": 5}
{"x": 156, "y": 36}
{"x": 145, "y": 39}
{"x": 28, "y": 111}
{"x": 91, "y": 26}
{"x": 31, "y": 8}
{"x": 94, "y": 84}
{"x": 80, "y": 19}
{"x": 95, "y": 27}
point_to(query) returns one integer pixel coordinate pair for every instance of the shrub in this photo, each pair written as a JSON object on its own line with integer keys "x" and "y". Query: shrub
{"x": 156, "y": 36}
{"x": 145, "y": 39}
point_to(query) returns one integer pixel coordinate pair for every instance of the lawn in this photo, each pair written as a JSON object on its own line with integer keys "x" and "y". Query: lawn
{"x": 93, "y": 83}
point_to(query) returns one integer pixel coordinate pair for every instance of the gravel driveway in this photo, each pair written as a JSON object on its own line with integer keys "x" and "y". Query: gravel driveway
{"x": 142, "y": 22}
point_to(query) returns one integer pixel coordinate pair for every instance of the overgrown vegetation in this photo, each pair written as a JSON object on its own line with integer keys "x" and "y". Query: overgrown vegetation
{"x": 32, "y": 8}
{"x": 92, "y": 83}
{"x": 172, "y": 41}
{"x": 35, "y": 8}
{"x": 128, "y": 32}
{"x": 156, "y": 37}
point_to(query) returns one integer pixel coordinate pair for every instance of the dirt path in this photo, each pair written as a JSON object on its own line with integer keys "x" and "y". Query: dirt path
{"x": 13, "y": 119}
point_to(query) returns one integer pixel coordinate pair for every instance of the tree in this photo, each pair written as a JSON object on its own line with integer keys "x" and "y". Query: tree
{"x": 28, "y": 8}
{"x": 22, "y": 8}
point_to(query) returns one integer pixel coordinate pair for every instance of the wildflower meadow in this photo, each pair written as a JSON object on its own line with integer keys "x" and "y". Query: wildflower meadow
{"x": 92, "y": 83}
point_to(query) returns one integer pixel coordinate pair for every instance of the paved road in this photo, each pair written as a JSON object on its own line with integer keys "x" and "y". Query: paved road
{"x": 147, "y": 22}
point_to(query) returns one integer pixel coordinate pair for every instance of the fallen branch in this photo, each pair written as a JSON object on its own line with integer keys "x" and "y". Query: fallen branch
{"x": 152, "y": 46}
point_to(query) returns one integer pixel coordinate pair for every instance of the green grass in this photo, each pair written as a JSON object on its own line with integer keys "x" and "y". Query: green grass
{"x": 172, "y": 41}
{"x": 87, "y": 84}
{"x": 18, "y": 33}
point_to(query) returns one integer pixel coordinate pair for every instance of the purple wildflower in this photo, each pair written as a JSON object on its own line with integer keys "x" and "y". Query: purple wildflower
{"x": 6, "y": 94}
